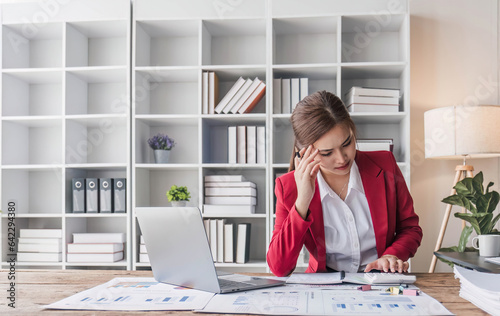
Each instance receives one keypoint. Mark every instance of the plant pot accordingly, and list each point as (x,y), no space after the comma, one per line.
(161,156)
(178,203)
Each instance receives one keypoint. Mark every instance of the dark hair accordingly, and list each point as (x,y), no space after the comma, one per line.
(315,115)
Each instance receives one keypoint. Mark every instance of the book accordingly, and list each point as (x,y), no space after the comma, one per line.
(224,178)
(220,239)
(38,256)
(40,233)
(213,238)
(304,88)
(241,144)
(213,91)
(235,200)
(230,191)
(231,144)
(356,108)
(237,96)
(375,144)
(224,210)
(381,92)
(236,86)
(244,184)
(277,96)
(204,93)
(26,247)
(357,278)
(261,144)
(244,97)
(362,99)
(47,241)
(251,144)
(206,223)
(253,99)
(294,92)
(94,257)
(99,238)
(229,243)
(95,248)
(285,96)
(243,243)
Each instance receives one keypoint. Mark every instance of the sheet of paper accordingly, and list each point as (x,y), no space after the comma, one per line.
(315,278)
(135,294)
(290,301)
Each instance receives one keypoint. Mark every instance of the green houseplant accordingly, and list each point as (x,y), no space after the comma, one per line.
(178,194)
(480,202)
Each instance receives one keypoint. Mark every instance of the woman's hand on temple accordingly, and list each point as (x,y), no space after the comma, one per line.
(388,263)
(306,170)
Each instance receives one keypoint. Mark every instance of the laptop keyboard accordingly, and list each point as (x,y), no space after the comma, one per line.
(228,284)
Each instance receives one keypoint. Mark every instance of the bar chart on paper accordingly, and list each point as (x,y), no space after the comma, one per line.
(135,294)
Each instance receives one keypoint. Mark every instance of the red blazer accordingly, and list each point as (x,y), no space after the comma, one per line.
(395,223)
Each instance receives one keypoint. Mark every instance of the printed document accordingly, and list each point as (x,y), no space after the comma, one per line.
(134,294)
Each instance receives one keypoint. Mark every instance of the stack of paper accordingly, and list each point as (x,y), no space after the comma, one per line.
(40,245)
(96,247)
(480,288)
(375,144)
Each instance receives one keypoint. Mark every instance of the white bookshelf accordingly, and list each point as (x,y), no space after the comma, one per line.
(174,42)
(83,90)
(64,113)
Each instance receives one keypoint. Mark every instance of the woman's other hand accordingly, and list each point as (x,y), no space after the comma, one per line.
(388,263)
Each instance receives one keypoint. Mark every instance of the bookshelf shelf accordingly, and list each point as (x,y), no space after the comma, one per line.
(65,113)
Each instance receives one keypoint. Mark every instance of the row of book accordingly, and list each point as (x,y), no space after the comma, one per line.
(231,194)
(99,195)
(246,144)
(287,93)
(243,96)
(229,242)
(45,245)
(360,99)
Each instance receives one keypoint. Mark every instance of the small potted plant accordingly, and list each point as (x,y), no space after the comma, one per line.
(161,145)
(480,202)
(178,196)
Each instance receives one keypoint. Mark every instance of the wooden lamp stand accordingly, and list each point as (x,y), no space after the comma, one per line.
(462,171)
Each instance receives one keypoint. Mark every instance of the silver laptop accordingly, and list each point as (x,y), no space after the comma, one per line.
(180,254)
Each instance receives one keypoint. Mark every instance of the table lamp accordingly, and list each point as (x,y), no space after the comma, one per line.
(461,132)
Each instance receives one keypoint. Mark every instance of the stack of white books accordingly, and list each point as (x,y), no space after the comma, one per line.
(96,247)
(229,242)
(143,253)
(39,245)
(360,99)
(229,194)
(375,144)
(246,144)
(287,93)
(243,96)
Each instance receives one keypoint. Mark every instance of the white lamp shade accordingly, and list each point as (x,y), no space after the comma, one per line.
(455,131)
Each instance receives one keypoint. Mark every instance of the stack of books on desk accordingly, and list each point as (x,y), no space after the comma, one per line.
(39,245)
(480,288)
(229,194)
(375,144)
(143,253)
(96,247)
(360,99)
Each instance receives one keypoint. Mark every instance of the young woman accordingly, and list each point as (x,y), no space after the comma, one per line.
(351,209)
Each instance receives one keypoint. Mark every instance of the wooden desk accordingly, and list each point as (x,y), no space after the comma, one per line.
(35,288)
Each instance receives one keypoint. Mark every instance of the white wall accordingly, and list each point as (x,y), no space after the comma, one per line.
(454,51)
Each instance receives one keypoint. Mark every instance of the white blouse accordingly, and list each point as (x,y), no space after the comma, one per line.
(349,234)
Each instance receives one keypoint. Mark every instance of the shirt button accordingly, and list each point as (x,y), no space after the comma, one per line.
(356,245)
